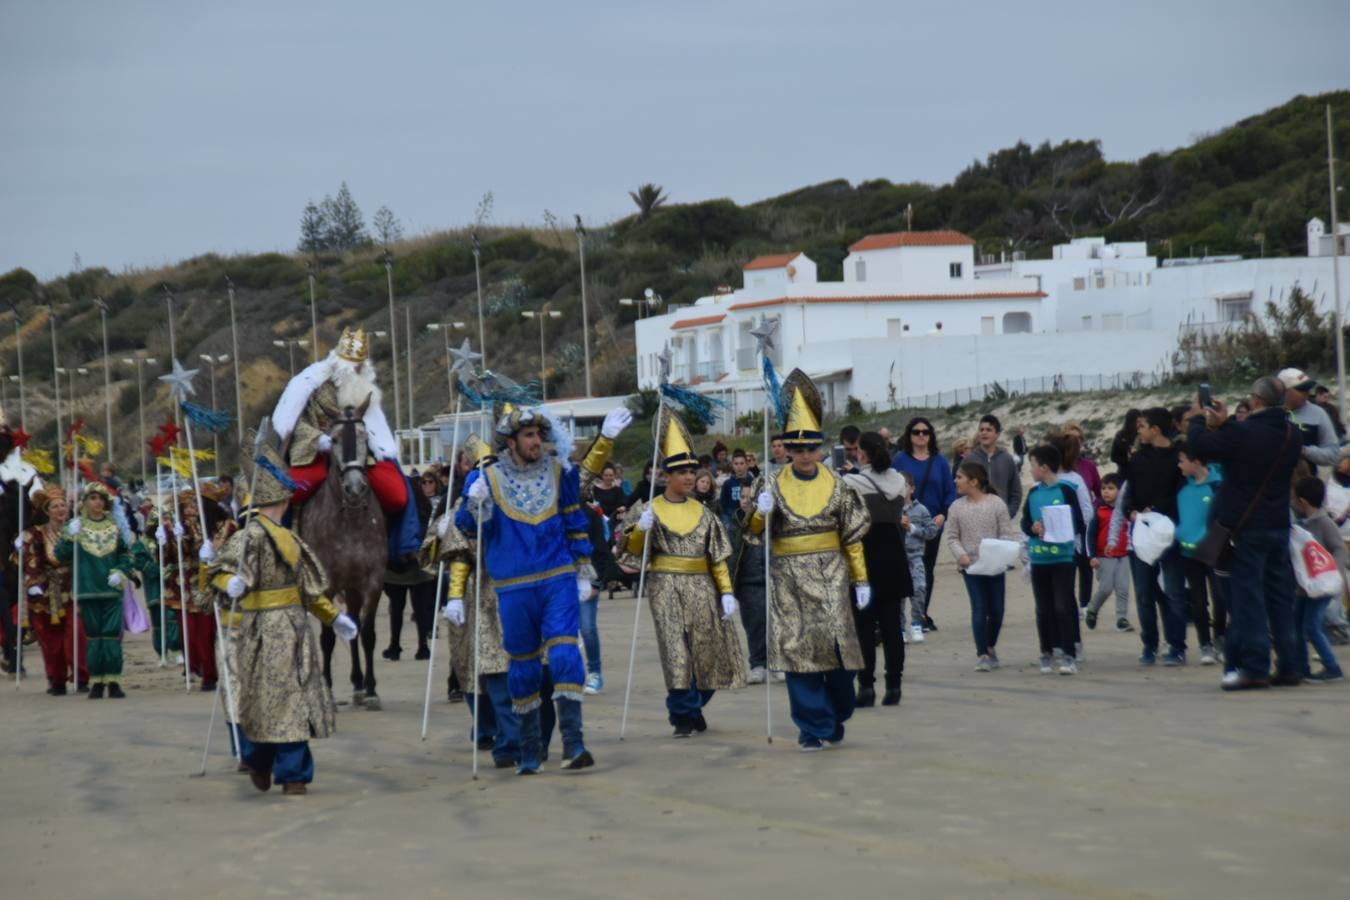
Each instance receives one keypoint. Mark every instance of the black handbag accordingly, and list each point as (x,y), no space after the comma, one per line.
(1216,548)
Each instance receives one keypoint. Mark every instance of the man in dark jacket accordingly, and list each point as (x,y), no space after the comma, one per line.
(1258,456)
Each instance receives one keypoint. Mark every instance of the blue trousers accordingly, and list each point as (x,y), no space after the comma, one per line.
(590,635)
(536,619)
(1310,617)
(1171,597)
(821,702)
(987,593)
(289,762)
(536,726)
(496,718)
(246,746)
(686,706)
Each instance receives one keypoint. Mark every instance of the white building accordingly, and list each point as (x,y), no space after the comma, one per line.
(1320,243)
(916,315)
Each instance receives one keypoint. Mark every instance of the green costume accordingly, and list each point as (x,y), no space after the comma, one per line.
(145,560)
(102,553)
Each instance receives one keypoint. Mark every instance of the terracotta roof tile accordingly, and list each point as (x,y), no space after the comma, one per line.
(702,320)
(912,239)
(891,298)
(777,261)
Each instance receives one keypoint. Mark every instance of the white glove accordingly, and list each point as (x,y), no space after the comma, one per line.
(115,580)
(764,503)
(35,591)
(178,529)
(235,587)
(325,443)
(161,536)
(616,420)
(646,520)
(454,611)
(478,491)
(862,594)
(74,527)
(443,526)
(584,588)
(345,627)
(18,542)
(728,605)
(207,553)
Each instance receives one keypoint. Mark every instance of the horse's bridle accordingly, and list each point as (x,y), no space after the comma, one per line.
(349,457)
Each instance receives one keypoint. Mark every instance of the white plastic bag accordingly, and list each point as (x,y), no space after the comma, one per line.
(1151,535)
(1315,568)
(995,557)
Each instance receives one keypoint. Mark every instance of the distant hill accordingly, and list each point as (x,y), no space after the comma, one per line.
(1246,189)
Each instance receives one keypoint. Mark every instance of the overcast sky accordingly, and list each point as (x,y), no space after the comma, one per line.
(138,133)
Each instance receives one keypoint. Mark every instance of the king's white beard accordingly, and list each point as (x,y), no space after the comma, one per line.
(355,384)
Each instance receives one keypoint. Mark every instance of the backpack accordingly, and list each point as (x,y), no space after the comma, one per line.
(884,510)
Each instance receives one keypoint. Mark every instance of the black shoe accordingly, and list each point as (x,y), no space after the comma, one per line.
(454,696)
(208,687)
(929,624)
(83,688)
(391,653)
(487,742)
(1286,680)
(683,730)
(115,691)
(57,689)
(422,653)
(700,724)
(503,763)
(891,697)
(96,692)
(867,696)
(582,760)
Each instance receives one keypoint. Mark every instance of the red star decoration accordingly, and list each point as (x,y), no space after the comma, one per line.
(159,446)
(75,428)
(170,431)
(21,438)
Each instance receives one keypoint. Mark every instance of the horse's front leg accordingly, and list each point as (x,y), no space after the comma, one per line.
(327,641)
(368,644)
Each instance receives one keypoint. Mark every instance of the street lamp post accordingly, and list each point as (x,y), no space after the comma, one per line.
(393,335)
(408,334)
(585,318)
(645,304)
(445,328)
(18,351)
(72,372)
(234,342)
(140,362)
(478,279)
(541,315)
(56,392)
(290,345)
(211,365)
(311,270)
(107,377)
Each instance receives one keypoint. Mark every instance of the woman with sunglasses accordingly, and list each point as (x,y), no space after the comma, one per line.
(934,488)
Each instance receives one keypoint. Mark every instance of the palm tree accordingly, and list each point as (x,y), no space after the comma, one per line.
(649,198)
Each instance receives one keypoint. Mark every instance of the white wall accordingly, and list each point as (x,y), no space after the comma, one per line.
(919,268)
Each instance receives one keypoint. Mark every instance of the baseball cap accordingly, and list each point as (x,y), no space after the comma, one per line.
(1296,380)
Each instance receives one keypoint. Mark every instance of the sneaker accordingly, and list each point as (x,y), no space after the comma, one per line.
(1174,658)
(1067,666)
(929,624)
(1090,619)
(178,659)
(780,677)
(835,739)
(581,760)
(1207,657)
(1325,677)
(983,665)
(595,683)
(1234,680)
(993,659)
(916,634)
(756,676)
(683,730)
(810,745)
(1124,625)
(1148,658)
(1078,653)
(1046,666)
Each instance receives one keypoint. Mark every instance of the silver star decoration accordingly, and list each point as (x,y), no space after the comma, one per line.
(763,335)
(180,382)
(464,358)
(664,359)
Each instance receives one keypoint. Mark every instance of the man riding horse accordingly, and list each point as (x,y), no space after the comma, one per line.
(314,401)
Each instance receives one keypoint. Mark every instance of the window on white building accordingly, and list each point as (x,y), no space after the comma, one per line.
(894,329)
(1079,284)
(1113,322)
(860,270)
(986,324)
(1017,323)
(955,269)
(1087,323)
(1235,309)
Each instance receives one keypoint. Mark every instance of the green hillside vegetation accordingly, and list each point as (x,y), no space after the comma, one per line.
(1247,189)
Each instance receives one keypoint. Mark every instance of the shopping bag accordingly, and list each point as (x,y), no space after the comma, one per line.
(1151,535)
(1315,568)
(995,557)
(135,620)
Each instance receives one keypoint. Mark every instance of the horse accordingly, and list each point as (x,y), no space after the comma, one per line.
(344,525)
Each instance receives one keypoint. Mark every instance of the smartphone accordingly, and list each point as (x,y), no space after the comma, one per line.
(1206,397)
(838,457)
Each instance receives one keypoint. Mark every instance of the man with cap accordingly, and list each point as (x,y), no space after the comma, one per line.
(272,579)
(537,549)
(103,543)
(816,526)
(688,586)
(1320,447)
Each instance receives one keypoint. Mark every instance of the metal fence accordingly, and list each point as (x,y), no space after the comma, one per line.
(1044,384)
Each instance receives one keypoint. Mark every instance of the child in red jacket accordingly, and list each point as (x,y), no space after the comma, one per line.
(1113,563)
